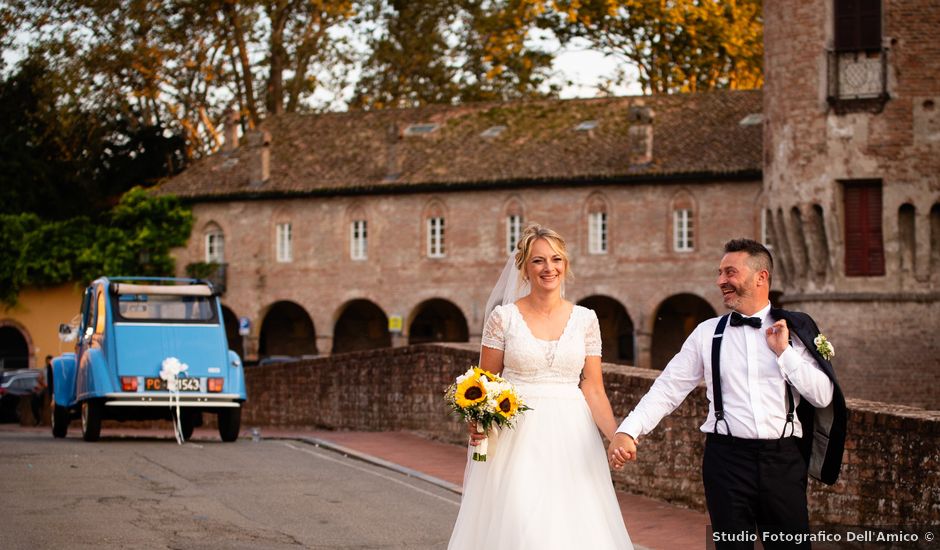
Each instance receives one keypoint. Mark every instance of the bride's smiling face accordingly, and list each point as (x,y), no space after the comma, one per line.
(545,268)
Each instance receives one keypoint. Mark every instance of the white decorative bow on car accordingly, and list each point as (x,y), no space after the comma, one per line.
(172,368)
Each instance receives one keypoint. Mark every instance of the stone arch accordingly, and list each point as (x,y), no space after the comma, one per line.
(784,256)
(676,318)
(935,238)
(231,332)
(906,238)
(437,320)
(798,243)
(360,325)
(287,329)
(817,241)
(617,331)
(16,346)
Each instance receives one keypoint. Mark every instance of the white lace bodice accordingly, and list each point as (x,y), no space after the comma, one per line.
(527,359)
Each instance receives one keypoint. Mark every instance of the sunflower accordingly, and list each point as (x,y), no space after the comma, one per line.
(480,373)
(507,404)
(469,392)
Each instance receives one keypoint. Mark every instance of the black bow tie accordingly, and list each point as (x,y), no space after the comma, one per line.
(737,320)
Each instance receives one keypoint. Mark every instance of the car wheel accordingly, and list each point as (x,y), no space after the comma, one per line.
(230,423)
(189,421)
(60,420)
(92,410)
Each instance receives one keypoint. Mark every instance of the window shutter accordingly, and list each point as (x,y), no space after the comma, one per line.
(869,25)
(857,25)
(846,25)
(864,249)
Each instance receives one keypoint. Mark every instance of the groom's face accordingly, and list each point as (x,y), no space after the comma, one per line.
(736,280)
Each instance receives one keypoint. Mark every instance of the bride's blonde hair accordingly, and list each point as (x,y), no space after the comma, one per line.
(534,232)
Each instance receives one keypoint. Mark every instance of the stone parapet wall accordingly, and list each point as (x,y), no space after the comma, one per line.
(891,474)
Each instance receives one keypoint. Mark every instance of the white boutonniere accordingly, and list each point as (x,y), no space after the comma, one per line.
(824,347)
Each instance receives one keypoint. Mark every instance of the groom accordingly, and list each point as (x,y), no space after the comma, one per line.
(775,410)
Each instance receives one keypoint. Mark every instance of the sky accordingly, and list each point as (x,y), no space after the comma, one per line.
(580,70)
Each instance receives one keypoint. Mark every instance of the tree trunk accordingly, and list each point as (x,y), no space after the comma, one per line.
(239,35)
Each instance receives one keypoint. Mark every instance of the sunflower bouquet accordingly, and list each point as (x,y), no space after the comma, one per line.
(487,399)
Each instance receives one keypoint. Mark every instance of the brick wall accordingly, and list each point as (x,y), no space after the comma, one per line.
(892,464)
(811,147)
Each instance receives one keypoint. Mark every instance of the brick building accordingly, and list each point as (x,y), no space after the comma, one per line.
(334,230)
(852,179)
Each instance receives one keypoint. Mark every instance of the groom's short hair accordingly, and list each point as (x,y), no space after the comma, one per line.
(758,256)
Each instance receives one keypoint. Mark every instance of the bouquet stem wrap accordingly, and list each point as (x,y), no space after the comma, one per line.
(479,453)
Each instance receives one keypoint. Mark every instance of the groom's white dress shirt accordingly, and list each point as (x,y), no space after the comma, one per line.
(752,382)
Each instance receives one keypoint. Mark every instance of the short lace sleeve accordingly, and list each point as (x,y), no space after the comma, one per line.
(592,336)
(494,335)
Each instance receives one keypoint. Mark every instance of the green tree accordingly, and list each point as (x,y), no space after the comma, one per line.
(184,64)
(440,51)
(677,46)
(134,239)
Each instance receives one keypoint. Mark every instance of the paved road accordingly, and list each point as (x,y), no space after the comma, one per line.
(151,493)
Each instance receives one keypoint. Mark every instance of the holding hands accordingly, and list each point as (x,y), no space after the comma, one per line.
(621,449)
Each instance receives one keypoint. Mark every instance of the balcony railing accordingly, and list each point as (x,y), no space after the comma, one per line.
(213,272)
(858,80)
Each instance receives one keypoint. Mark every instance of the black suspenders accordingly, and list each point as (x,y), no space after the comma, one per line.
(716,374)
(716,384)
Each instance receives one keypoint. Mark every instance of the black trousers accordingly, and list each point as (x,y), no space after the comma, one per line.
(755,489)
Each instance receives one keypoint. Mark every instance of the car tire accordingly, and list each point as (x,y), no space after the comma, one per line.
(92,411)
(230,423)
(60,420)
(189,421)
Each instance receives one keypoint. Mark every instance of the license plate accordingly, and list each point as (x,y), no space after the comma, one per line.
(159,384)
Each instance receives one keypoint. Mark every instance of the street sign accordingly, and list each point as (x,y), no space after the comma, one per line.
(394,323)
(244,326)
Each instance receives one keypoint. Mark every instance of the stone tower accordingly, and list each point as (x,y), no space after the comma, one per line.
(852,184)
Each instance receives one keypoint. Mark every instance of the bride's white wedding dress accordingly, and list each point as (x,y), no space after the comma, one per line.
(546,483)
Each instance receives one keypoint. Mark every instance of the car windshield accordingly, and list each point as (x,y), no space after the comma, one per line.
(157,308)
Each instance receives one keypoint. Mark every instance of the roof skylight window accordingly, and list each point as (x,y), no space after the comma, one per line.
(421,129)
(752,119)
(586,126)
(493,131)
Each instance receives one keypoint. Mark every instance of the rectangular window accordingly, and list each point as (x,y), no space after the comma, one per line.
(597,233)
(857,25)
(513,232)
(215,248)
(358,240)
(864,245)
(682,230)
(766,235)
(285,250)
(435,237)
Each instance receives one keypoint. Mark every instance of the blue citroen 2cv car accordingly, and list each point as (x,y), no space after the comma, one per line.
(147,349)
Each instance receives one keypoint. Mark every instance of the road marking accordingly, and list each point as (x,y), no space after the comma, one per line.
(368,471)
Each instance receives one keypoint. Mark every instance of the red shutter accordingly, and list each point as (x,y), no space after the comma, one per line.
(846,19)
(857,25)
(869,19)
(864,245)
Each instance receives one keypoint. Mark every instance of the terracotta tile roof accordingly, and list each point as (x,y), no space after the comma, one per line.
(369,151)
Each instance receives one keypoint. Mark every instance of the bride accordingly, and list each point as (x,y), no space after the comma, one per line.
(546,483)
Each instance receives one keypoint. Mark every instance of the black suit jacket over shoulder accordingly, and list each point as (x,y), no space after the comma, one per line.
(823,440)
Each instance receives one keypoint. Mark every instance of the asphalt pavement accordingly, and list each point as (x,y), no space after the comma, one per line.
(266,498)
